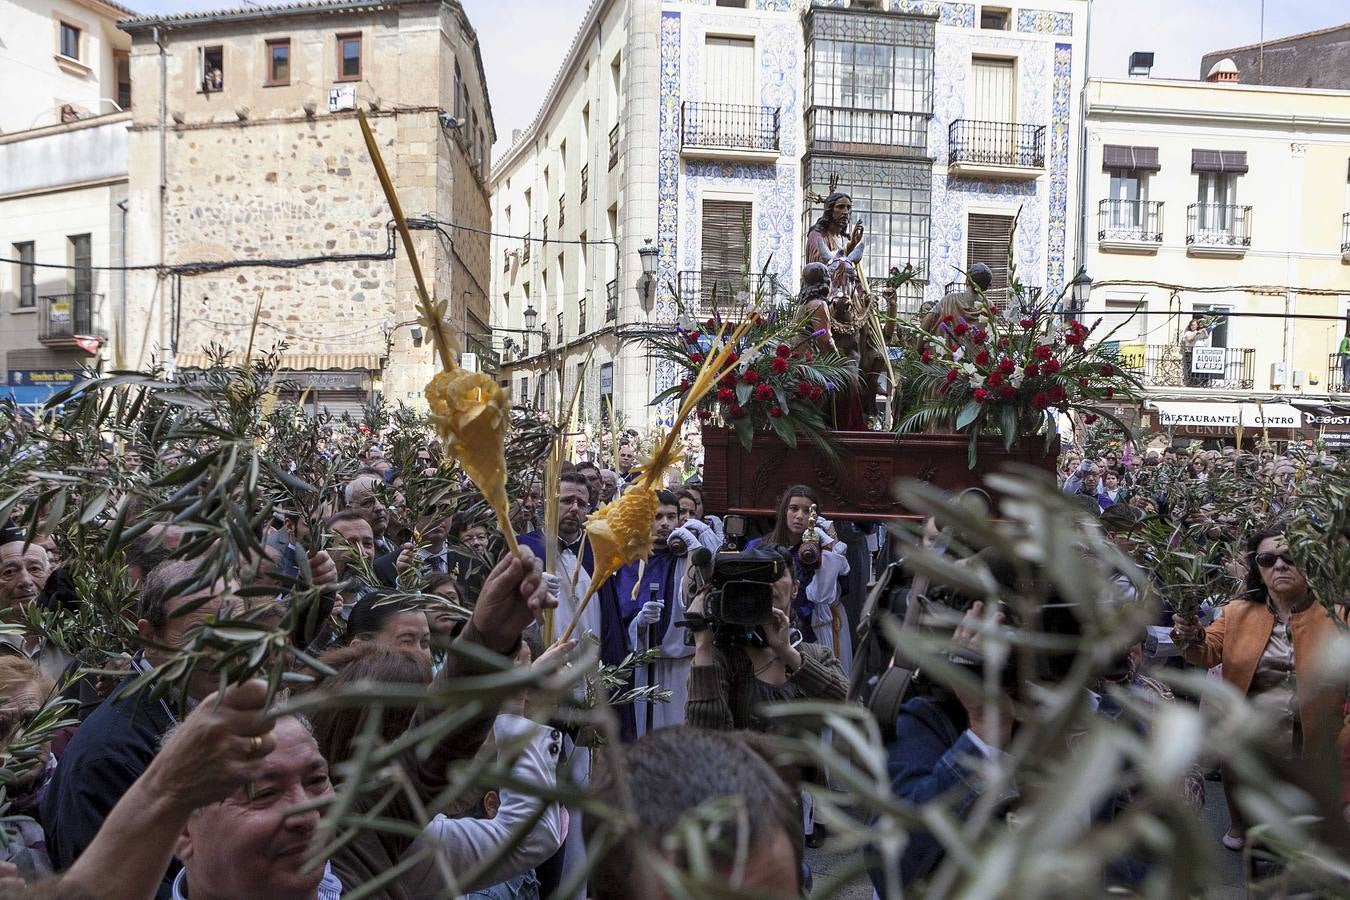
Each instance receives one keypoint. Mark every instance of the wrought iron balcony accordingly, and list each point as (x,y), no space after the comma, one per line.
(1130,225)
(728,129)
(614,146)
(1218,229)
(581,316)
(832,129)
(704,292)
(1338,373)
(1171,365)
(585,182)
(612,301)
(64,317)
(995,149)
(1345,238)
(525,249)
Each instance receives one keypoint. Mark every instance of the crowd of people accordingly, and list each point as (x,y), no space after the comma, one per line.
(139,764)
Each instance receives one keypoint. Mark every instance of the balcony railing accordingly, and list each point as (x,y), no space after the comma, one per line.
(1345,237)
(525,251)
(975,144)
(1171,365)
(728,126)
(704,292)
(562,211)
(585,182)
(614,146)
(64,317)
(612,301)
(849,130)
(1129,221)
(1338,373)
(1218,225)
(581,316)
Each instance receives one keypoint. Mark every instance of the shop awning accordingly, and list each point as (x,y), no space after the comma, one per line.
(296,362)
(1180,414)
(1328,416)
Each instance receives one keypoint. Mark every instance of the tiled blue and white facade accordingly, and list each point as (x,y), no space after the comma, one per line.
(774,188)
(1050,74)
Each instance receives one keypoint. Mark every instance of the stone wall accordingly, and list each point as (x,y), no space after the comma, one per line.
(283,191)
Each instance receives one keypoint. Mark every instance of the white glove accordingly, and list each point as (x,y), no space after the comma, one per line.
(650,613)
(552,583)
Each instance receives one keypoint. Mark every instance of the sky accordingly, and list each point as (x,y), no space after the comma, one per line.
(523,42)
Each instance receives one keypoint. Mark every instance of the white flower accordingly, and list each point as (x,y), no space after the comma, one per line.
(976,381)
(959,354)
(969,368)
(1016,379)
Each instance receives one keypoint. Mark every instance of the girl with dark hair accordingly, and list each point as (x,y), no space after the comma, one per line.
(1269,641)
(390,619)
(818,604)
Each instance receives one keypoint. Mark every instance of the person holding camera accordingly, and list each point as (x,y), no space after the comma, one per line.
(737,671)
(651,598)
(820,560)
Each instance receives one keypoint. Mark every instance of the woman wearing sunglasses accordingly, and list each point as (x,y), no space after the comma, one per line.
(1268,640)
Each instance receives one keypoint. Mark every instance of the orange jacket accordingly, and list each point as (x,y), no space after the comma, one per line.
(1237,640)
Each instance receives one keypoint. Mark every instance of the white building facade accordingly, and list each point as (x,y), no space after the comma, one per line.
(713,131)
(63,183)
(1227,201)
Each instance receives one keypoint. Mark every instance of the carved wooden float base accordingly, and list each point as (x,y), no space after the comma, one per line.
(858,484)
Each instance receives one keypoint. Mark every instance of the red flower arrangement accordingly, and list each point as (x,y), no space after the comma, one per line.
(1043,365)
(776,383)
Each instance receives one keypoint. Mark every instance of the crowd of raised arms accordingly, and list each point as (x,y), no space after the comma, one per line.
(253,654)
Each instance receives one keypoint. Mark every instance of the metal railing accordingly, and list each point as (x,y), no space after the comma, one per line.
(562,211)
(612,301)
(703,292)
(63,317)
(1345,233)
(585,182)
(1338,373)
(1218,225)
(1171,365)
(614,146)
(845,129)
(1130,221)
(728,126)
(525,252)
(996,144)
(581,316)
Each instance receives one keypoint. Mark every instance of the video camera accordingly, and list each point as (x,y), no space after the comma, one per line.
(739,587)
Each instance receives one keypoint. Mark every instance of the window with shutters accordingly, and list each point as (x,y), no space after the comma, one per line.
(81,259)
(25,254)
(987,238)
(725,260)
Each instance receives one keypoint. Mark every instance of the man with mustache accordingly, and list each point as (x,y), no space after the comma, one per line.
(572,576)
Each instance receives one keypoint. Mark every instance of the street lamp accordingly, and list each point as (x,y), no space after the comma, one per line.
(648,253)
(1080,289)
(531,317)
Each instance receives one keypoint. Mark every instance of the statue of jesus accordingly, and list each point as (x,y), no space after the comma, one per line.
(827,237)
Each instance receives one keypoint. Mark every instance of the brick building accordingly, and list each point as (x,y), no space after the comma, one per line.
(251,183)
